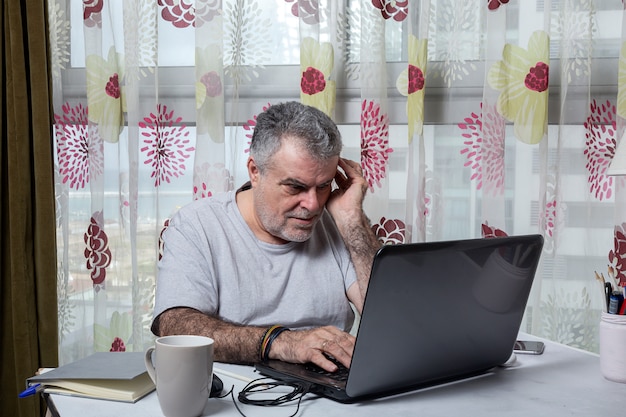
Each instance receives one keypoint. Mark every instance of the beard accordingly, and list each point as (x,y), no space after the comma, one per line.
(284,226)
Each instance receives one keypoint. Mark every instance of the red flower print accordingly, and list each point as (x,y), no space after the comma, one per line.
(396,9)
(495,4)
(489,231)
(166,145)
(166,224)
(374,143)
(212,83)
(600,132)
(113,86)
(118,345)
(617,256)
(249,126)
(307,11)
(92,12)
(390,231)
(312,81)
(416,79)
(179,12)
(97,252)
(79,153)
(538,77)
(484,149)
(208,179)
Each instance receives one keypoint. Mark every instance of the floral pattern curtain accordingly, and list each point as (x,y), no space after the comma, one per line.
(470,118)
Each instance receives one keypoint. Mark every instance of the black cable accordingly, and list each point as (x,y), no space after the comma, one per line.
(265,385)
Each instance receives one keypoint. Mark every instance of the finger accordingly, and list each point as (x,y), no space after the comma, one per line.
(339,344)
(319,359)
(337,351)
(350,167)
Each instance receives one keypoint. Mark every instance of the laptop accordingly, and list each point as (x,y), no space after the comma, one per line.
(434,312)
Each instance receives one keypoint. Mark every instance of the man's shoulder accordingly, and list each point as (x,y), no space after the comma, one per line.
(210,206)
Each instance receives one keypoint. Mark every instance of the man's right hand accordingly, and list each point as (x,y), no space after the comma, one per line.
(302,346)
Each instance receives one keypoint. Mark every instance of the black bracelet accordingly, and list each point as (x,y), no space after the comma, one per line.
(268,338)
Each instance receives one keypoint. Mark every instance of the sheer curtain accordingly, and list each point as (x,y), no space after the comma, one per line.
(470,118)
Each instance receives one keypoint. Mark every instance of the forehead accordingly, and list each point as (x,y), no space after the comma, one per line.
(295,163)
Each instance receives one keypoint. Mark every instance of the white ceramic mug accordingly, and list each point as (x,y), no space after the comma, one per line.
(182,370)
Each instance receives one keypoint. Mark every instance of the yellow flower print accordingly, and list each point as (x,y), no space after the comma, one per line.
(316,64)
(210,92)
(621,83)
(410,83)
(105,94)
(522,78)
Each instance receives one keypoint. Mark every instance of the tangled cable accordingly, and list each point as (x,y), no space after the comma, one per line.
(264,386)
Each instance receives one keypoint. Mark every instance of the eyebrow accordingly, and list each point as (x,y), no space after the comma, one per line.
(298,183)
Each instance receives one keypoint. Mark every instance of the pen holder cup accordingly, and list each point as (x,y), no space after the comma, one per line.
(613,347)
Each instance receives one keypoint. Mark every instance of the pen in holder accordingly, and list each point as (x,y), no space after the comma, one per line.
(613,347)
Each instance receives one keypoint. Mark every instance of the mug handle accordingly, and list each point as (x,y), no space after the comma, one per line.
(149,364)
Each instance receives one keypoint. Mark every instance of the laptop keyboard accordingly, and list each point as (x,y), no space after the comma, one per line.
(341,374)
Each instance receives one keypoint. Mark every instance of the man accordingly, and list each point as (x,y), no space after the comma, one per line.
(292,248)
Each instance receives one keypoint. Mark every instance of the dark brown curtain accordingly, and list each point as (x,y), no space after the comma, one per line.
(28,301)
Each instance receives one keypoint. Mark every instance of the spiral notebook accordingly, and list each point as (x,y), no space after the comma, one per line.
(434,312)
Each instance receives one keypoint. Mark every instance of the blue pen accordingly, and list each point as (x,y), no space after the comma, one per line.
(32,390)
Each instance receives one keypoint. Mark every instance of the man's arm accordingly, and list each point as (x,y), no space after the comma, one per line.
(241,344)
(233,343)
(346,207)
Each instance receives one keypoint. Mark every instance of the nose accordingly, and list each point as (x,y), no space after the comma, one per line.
(312,200)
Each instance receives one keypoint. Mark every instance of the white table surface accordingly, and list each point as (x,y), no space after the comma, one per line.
(561,382)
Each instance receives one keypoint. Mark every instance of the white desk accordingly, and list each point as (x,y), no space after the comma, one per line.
(561,382)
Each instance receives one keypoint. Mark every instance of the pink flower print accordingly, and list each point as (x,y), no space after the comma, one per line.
(484,149)
(489,232)
(416,79)
(249,126)
(617,256)
(92,13)
(97,252)
(166,145)
(427,204)
(396,9)
(537,78)
(374,143)
(495,4)
(390,231)
(550,217)
(118,345)
(307,11)
(212,83)
(211,178)
(79,153)
(600,143)
(492,158)
(312,81)
(206,11)
(179,12)
(473,147)
(166,224)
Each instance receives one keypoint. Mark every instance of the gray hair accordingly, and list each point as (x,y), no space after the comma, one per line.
(309,127)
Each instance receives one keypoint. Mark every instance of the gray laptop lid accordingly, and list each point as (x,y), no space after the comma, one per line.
(437,311)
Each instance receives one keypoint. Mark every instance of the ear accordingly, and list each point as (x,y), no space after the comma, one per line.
(253,171)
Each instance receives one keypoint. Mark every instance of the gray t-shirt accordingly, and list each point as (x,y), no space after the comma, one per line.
(213,262)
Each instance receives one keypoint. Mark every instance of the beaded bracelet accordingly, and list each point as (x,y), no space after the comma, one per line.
(268,338)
